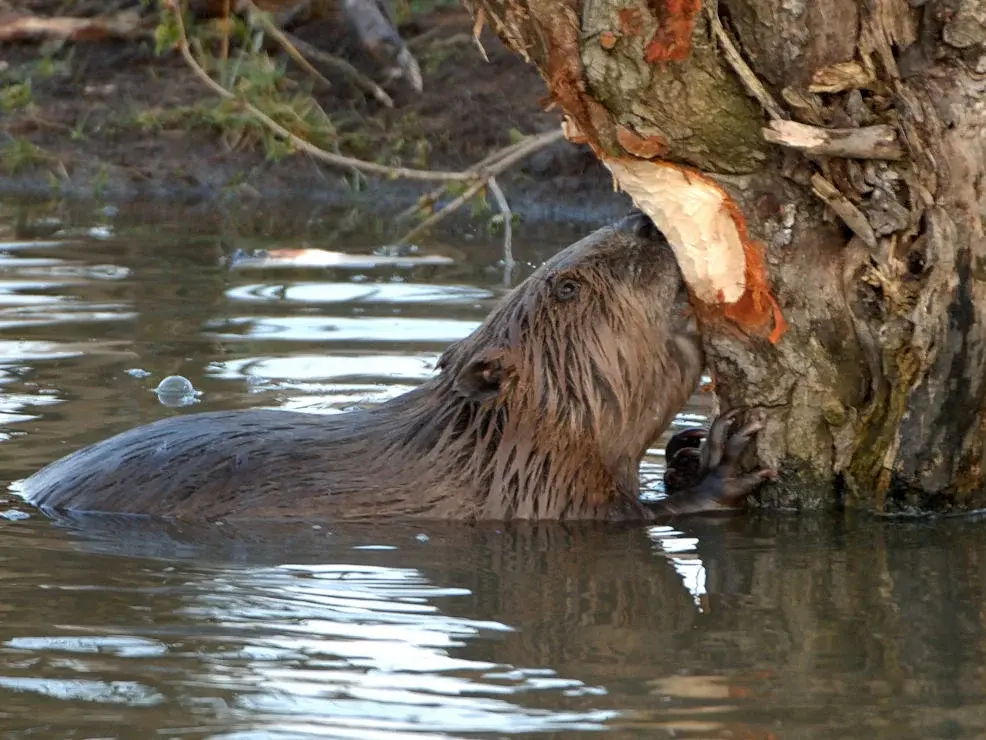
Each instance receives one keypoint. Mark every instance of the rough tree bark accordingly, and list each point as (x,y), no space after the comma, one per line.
(820,169)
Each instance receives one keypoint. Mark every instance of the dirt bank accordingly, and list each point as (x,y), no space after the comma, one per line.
(114,121)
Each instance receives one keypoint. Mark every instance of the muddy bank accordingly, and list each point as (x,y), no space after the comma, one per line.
(113,121)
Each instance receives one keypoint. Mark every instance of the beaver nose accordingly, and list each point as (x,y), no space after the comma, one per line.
(640,224)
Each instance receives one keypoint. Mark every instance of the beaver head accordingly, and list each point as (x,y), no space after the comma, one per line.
(574,375)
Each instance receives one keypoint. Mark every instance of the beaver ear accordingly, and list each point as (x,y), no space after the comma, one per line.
(480,379)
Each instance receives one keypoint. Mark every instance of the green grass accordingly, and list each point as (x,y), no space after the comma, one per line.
(18,155)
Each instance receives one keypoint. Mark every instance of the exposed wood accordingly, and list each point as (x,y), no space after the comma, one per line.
(868,142)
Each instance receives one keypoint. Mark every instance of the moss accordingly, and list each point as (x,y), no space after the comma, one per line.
(869,479)
(15,96)
(800,487)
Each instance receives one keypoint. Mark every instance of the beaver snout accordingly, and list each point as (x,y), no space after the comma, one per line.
(641,225)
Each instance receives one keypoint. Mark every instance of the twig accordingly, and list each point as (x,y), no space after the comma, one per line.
(477,30)
(341,65)
(480,175)
(739,65)
(477,168)
(868,142)
(505,212)
(227,22)
(297,48)
(281,38)
(517,152)
(434,35)
(444,212)
(336,160)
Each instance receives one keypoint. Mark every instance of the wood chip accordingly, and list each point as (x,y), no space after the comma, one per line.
(868,142)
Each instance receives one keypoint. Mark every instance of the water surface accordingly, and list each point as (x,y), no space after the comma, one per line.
(749,627)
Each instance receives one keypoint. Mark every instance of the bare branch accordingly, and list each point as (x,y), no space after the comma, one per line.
(477,29)
(281,38)
(429,198)
(341,65)
(440,215)
(479,175)
(517,152)
(336,160)
(507,214)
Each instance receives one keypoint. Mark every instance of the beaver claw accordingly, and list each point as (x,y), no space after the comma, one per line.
(703,470)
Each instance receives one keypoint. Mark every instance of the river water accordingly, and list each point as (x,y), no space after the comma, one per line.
(749,627)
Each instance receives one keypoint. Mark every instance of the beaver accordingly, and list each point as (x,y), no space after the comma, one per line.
(544,412)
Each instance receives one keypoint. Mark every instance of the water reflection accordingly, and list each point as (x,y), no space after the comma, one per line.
(743,627)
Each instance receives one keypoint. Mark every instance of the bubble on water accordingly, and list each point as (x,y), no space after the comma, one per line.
(136,372)
(422,537)
(176,390)
(176,384)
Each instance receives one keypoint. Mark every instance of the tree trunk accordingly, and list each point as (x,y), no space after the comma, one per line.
(820,169)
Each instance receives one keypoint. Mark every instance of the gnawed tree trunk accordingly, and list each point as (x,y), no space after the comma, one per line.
(820,169)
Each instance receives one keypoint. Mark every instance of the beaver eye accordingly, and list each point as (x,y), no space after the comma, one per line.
(565,290)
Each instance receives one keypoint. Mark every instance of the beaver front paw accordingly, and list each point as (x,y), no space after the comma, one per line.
(703,472)
(683,460)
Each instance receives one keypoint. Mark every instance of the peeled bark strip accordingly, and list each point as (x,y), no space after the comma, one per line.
(826,155)
(869,142)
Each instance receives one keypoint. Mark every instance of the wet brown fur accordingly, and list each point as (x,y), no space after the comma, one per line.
(544,412)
